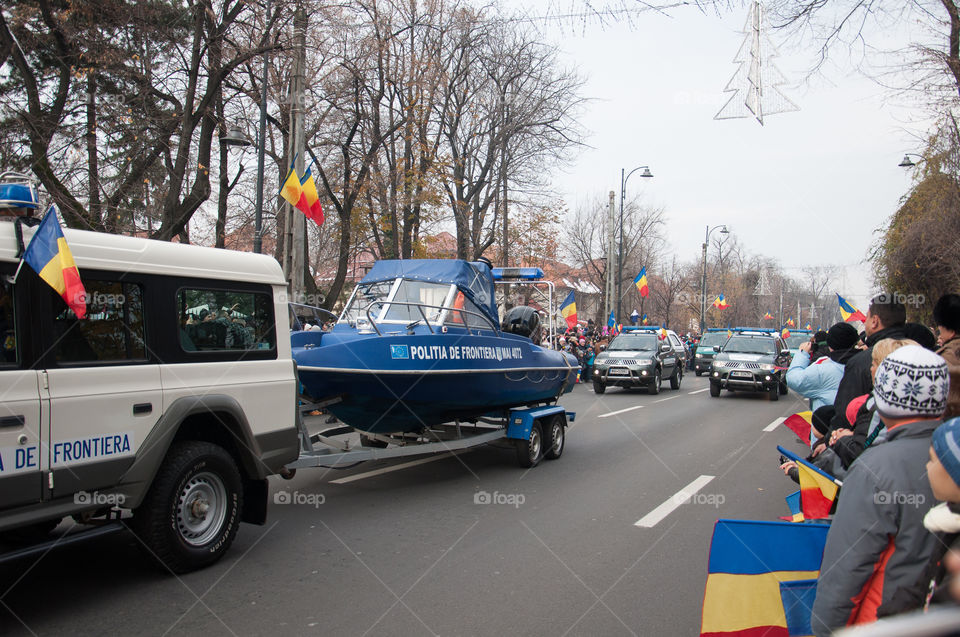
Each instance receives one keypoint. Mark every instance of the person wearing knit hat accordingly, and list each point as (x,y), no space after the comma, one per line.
(817,379)
(877,541)
(946,316)
(943,469)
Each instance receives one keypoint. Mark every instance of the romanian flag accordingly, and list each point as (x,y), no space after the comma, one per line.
(801,424)
(720,304)
(292,191)
(663,334)
(808,327)
(313,199)
(729,332)
(748,562)
(789,322)
(49,255)
(785,333)
(797,598)
(818,489)
(641,282)
(849,312)
(645,320)
(796,511)
(569,310)
(768,316)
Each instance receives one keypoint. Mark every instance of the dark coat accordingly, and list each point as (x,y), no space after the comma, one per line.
(856,379)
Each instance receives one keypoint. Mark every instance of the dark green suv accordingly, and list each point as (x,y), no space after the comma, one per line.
(751,360)
(707,349)
(640,357)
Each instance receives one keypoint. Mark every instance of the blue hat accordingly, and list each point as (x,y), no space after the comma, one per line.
(946,444)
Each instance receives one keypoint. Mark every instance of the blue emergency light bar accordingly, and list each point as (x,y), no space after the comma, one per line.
(641,328)
(517,274)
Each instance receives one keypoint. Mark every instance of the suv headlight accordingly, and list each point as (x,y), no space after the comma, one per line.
(699,355)
(717,363)
(767,367)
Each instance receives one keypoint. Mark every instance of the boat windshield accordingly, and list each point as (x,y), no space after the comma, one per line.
(635,342)
(366,294)
(416,292)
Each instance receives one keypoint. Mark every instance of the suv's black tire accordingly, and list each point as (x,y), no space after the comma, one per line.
(598,387)
(193,474)
(554,438)
(714,389)
(676,378)
(530,452)
(774,392)
(697,372)
(655,382)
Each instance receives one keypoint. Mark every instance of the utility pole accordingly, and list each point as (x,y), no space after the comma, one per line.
(608,305)
(296,223)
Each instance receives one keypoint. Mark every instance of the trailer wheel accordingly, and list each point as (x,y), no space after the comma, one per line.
(191,513)
(555,438)
(530,452)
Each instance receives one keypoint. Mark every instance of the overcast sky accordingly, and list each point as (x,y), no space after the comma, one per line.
(807,187)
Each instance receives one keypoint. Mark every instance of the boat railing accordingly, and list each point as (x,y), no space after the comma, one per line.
(421,308)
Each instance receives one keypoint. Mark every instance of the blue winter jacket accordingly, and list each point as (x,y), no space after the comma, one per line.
(818,381)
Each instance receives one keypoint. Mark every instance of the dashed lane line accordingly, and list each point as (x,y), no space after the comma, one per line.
(776,423)
(690,393)
(651,519)
(614,413)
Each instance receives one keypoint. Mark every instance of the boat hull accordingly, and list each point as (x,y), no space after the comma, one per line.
(400,383)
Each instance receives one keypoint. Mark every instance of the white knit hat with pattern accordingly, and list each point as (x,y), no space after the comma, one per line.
(912,382)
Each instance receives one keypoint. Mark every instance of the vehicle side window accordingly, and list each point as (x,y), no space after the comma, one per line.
(225,320)
(113,330)
(675,340)
(8,334)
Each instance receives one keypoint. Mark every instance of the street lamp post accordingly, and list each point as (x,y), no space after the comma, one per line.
(261,149)
(703,278)
(623,192)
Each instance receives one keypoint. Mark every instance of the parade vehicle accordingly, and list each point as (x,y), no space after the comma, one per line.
(165,409)
(706,349)
(414,335)
(640,357)
(174,398)
(752,359)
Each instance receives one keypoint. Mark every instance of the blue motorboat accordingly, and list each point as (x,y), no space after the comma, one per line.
(420,343)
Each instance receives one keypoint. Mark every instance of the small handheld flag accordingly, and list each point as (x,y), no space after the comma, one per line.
(849,312)
(768,316)
(720,304)
(818,489)
(645,320)
(663,334)
(785,333)
(611,320)
(641,282)
(49,255)
(796,512)
(568,309)
(801,424)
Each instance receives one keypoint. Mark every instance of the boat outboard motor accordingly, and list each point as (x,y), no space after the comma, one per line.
(523,321)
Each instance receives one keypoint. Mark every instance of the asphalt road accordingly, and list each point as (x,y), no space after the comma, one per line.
(466,545)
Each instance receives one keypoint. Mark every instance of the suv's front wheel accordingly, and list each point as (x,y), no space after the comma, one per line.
(599,387)
(191,512)
(655,382)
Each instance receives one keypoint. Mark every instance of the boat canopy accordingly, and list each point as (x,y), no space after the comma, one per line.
(474,279)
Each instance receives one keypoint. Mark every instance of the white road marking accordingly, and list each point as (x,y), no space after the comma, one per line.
(690,393)
(614,413)
(776,423)
(396,467)
(651,519)
(667,398)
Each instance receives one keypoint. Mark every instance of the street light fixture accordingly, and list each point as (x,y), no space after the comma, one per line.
(703,279)
(235,137)
(623,193)
(907,162)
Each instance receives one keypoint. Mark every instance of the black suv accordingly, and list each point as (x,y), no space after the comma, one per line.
(640,357)
(751,360)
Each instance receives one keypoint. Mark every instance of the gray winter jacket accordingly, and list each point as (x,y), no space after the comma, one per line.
(877,541)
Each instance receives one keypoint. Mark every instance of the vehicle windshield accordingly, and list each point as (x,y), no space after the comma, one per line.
(796,338)
(750,345)
(635,342)
(712,339)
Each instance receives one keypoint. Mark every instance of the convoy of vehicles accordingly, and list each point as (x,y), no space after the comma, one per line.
(640,357)
(751,360)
